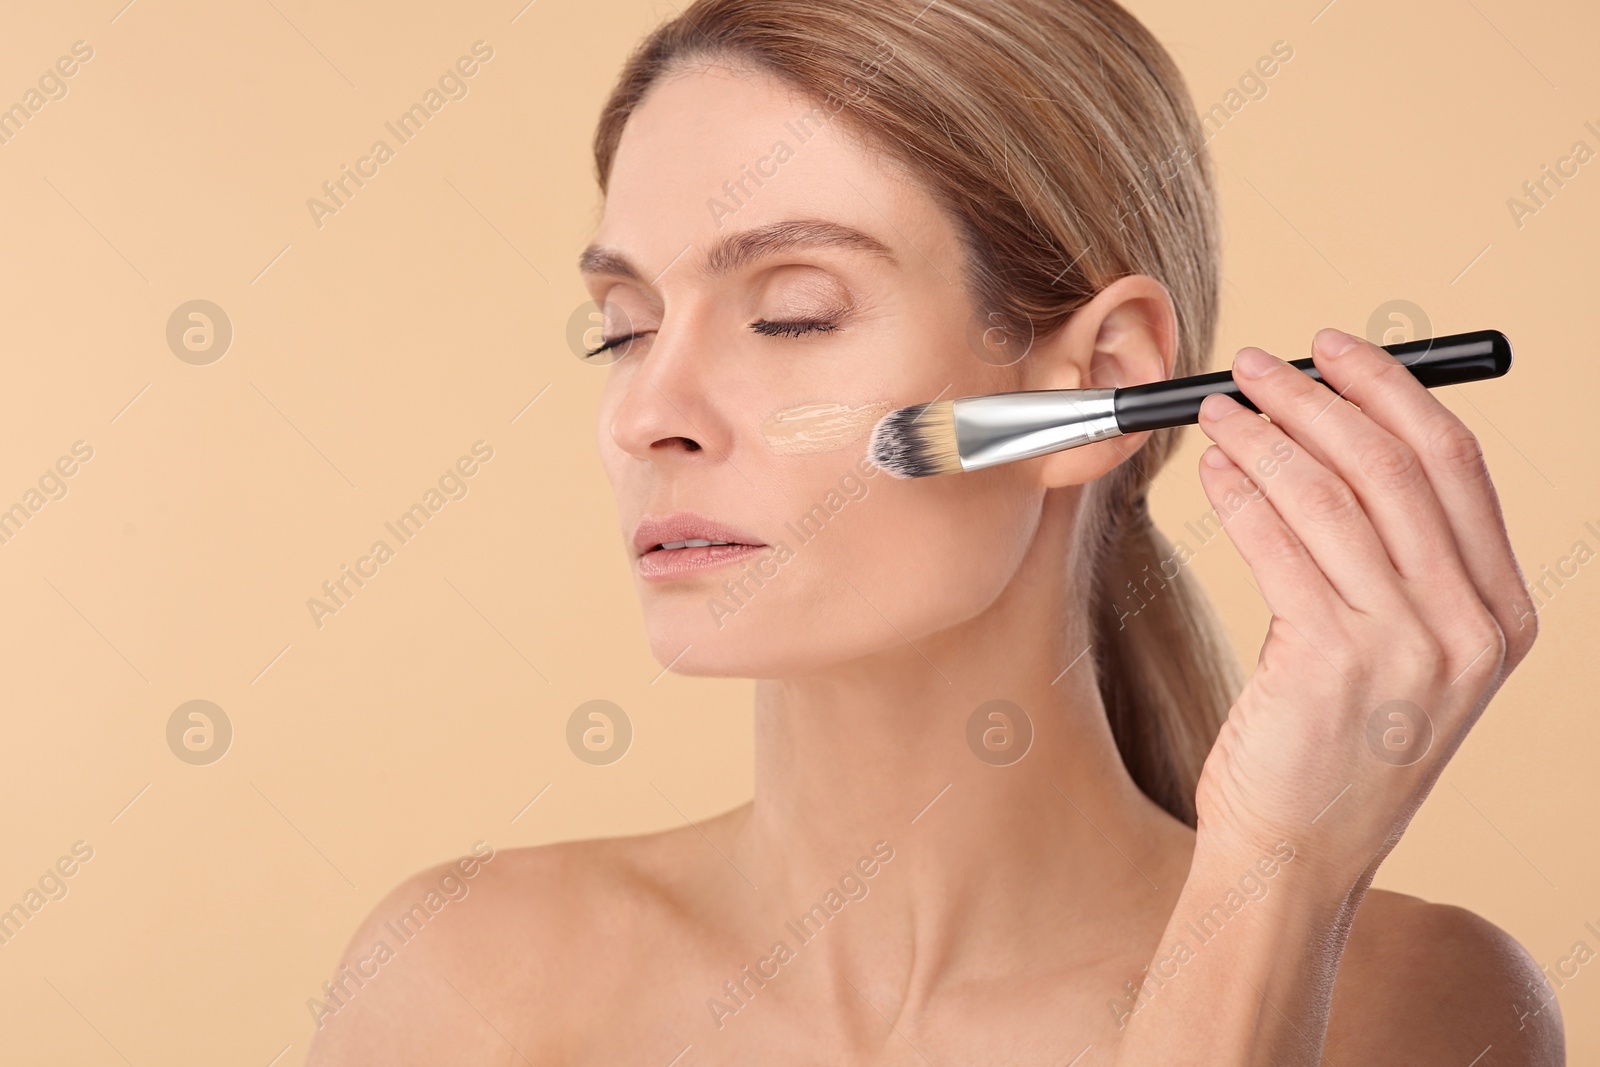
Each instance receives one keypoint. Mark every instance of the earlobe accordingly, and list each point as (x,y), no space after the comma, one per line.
(1077,466)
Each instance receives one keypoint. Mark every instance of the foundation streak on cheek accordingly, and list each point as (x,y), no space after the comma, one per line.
(820,427)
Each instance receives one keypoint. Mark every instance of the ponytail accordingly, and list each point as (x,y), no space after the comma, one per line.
(1166,671)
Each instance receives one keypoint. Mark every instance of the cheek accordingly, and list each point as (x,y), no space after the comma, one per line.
(820,427)
(938,550)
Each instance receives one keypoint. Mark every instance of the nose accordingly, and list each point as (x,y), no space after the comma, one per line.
(668,409)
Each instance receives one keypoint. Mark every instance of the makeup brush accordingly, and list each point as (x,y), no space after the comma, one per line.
(973,432)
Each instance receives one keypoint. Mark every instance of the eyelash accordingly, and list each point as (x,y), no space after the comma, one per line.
(765,327)
(609,344)
(792,329)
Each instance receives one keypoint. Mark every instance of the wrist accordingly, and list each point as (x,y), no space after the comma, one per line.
(1280,878)
(1252,926)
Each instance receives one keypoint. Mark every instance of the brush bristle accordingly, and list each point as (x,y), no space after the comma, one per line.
(917,441)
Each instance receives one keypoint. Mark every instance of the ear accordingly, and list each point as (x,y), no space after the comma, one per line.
(1126,335)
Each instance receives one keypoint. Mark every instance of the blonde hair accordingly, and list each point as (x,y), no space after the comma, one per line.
(1060,137)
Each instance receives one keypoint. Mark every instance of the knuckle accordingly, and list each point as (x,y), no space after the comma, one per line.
(1390,466)
(1353,661)
(1329,501)
(1348,649)
(1278,544)
(1456,449)
(1483,646)
(1479,648)
(1523,608)
(1520,640)
(1422,654)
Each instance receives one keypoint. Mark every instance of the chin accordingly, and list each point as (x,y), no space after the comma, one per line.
(759,640)
(814,624)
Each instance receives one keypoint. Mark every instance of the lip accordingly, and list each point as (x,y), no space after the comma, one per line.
(660,563)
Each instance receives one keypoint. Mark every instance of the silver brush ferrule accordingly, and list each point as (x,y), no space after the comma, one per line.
(991,430)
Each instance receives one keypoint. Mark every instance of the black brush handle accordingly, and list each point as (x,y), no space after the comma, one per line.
(1436,361)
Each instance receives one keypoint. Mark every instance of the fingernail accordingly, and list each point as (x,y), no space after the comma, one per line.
(1253,362)
(1219,406)
(1334,342)
(1215,457)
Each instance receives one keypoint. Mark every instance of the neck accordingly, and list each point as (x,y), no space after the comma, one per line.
(988,849)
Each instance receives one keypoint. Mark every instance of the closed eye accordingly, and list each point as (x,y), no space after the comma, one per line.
(768,328)
(765,327)
(609,344)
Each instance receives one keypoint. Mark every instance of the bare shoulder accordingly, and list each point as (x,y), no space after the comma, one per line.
(474,960)
(1423,984)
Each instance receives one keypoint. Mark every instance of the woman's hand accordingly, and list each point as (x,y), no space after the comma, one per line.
(1398,609)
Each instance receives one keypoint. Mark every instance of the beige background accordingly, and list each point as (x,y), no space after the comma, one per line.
(369,353)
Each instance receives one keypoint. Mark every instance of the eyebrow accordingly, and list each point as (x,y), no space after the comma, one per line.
(740,249)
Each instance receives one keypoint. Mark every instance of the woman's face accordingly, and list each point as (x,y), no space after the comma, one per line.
(785,287)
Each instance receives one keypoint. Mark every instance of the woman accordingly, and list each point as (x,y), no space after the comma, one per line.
(1011,804)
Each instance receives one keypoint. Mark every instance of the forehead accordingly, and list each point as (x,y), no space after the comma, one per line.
(713,150)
